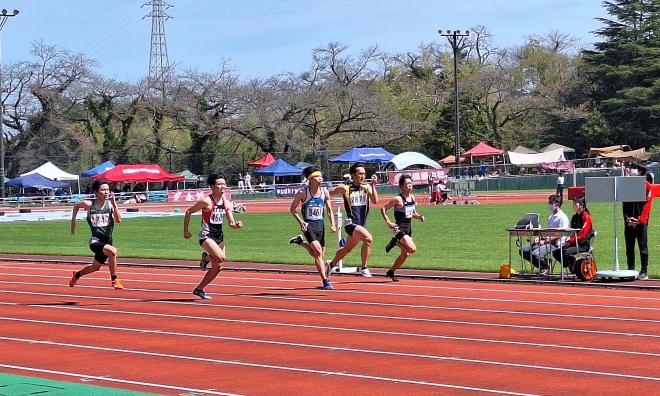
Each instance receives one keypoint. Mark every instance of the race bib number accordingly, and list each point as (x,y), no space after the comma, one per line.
(217,216)
(314,212)
(100,219)
(358,199)
(410,211)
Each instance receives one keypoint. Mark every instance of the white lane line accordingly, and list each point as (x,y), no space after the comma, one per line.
(122,381)
(343,314)
(369,303)
(342,329)
(321,347)
(375,284)
(388,294)
(266,366)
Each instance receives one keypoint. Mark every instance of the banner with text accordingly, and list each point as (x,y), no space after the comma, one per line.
(191,195)
(419,176)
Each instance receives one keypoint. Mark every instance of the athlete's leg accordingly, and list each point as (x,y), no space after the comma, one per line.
(216,257)
(351,242)
(111,252)
(407,246)
(316,250)
(367,240)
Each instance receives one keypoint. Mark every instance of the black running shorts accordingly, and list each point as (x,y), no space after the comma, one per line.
(96,245)
(315,232)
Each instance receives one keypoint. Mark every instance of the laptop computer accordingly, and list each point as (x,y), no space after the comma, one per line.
(528,221)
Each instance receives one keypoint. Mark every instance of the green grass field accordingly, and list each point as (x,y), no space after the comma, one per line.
(470,237)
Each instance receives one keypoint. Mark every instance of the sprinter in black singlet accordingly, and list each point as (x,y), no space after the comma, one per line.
(102,214)
(404,206)
(357,196)
(215,207)
(314,201)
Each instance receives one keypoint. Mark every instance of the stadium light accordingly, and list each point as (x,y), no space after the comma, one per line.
(3,19)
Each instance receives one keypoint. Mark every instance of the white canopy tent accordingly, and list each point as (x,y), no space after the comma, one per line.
(534,160)
(52,172)
(410,158)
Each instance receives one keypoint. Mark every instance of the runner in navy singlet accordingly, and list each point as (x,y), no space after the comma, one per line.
(102,214)
(357,196)
(404,206)
(215,207)
(314,201)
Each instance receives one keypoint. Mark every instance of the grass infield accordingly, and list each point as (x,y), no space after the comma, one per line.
(457,237)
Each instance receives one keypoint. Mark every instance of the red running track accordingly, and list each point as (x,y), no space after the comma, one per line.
(277,333)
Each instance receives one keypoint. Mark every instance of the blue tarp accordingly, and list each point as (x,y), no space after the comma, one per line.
(303,165)
(7,179)
(364,154)
(279,168)
(35,180)
(100,168)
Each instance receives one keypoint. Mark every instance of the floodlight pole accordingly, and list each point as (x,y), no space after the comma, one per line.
(4,15)
(455,38)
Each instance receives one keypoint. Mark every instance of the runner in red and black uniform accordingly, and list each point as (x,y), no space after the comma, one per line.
(357,196)
(215,207)
(102,214)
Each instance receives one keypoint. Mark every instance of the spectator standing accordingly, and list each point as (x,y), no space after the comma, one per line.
(248,182)
(560,186)
(636,215)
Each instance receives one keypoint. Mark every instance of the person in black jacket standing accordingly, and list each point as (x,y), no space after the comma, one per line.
(636,216)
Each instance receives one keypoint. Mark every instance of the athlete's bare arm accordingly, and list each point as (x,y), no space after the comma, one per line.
(293,209)
(229,212)
(74,213)
(328,210)
(203,203)
(373,196)
(115,209)
(392,203)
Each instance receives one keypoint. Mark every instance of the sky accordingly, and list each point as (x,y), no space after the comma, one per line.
(263,38)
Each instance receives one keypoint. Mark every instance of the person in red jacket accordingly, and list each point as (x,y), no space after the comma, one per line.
(636,216)
(581,220)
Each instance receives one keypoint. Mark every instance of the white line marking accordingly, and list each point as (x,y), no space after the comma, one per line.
(122,381)
(376,284)
(367,303)
(403,318)
(343,329)
(257,365)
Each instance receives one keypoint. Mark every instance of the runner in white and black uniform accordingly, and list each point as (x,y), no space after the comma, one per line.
(314,201)
(404,206)
(357,196)
(102,214)
(215,207)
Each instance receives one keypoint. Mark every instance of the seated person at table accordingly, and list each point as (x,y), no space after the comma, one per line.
(537,251)
(581,220)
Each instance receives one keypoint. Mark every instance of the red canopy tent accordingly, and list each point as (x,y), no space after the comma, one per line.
(263,161)
(137,173)
(482,150)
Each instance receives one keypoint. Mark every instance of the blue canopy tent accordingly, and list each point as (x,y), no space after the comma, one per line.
(279,168)
(368,155)
(98,169)
(35,180)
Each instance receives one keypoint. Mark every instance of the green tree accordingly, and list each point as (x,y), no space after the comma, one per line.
(624,71)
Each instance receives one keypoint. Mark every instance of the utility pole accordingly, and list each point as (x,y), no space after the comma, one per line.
(456,39)
(4,15)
